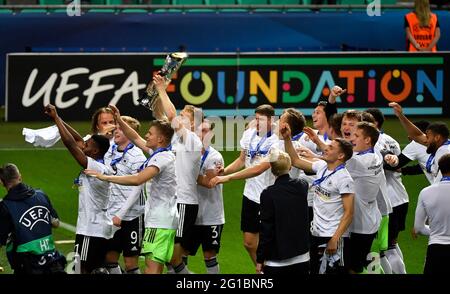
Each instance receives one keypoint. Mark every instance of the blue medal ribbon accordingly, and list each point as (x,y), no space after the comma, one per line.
(447,178)
(370,150)
(296,137)
(117,160)
(257,151)
(161,149)
(325,136)
(323,178)
(204,157)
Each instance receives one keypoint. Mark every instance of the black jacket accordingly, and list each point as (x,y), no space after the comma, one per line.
(284,231)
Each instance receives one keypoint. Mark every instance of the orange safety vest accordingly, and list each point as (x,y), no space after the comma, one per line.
(422,35)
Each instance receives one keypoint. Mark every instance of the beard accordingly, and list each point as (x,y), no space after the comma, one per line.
(432,148)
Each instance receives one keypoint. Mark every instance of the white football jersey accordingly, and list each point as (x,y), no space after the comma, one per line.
(210,201)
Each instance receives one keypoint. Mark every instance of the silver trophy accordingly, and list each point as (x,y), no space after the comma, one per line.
(171,65)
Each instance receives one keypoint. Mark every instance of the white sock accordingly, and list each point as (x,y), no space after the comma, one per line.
(385,265)
(212,266)
(399,251)
(398,267)
(114,268)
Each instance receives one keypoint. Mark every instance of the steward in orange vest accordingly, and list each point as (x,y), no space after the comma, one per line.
(422,35)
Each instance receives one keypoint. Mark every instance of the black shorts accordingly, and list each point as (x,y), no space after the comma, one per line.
(185,232)
(128,240)
(360,245)
(207,236)
(250,218)
(92,251)
(316,253)
(437,259)
(397,223)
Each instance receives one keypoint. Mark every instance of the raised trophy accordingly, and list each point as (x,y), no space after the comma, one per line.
(171,65)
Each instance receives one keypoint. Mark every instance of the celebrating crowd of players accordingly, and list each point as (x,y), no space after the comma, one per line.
(322,200)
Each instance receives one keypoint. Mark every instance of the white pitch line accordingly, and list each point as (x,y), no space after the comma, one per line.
(67,227)
(59,242)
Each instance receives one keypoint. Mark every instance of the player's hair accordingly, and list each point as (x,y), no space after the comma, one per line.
(132,122)
(369,130)
(368,117)
(295,119)
(9,173)
(444,164)
(102,143)
(94,121)
(439,128)
(266,110)
(336,122)
(280,162)
(346,148)
(422,125)
(164,127)
(377,115)
(196,113)
(353,114)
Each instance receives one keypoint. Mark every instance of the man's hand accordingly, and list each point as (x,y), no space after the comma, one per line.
(115,111)
(305,152)
(398,111)
(94,173)
(50,110)
(218,180)
(312,135)
(391,159)
(117,221)
(331,246)
(259,268)
(335,92)
(285,131)
(160,82)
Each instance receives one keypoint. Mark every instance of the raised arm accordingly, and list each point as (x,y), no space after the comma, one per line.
(246,173)
(66,137)
(129,132)
(298,162)
(413,132)
(165,109)
(129,180)
(313,137)
(236,165)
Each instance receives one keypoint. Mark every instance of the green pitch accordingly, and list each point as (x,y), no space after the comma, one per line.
(54,170)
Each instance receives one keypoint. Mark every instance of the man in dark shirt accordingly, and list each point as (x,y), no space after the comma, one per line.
(26,221)
(284,232)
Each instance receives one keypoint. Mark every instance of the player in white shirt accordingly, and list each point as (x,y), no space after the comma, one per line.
(433,206)
(93,228)
(125,158)
(161,216)
(187,148)
(255,147)
(398,196)
(366,169)
(436,139)
(211,216)
(332,203)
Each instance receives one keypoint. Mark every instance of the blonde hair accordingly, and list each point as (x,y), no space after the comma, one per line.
(196,113)
(280,162)
(423,12)
(132,122)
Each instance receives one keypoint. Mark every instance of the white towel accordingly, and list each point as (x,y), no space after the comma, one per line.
(46,137)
